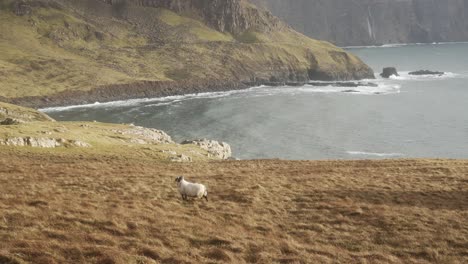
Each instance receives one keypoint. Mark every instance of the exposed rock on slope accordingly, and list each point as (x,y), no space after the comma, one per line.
(221,150)
(37,130)
(18,114)
(78,51)
(42,142)
(371,22)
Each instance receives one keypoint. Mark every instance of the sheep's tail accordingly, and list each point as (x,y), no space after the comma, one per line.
(205,194)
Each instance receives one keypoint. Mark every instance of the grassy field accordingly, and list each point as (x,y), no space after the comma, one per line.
(58,208)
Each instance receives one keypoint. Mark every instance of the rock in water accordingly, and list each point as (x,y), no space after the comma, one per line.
(216,149)
(427,72)
(389,71)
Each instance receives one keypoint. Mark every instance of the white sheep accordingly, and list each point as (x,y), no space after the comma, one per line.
(187,189)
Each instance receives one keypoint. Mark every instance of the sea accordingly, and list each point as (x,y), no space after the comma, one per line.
(402,117)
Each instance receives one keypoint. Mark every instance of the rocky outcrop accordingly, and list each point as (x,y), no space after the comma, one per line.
(215,148)
(233,16)
(181,158)
(42,142)
(21,8)
(143,135)
(389,71)
(13,114)
(375,22)
(426,72)
(11,121)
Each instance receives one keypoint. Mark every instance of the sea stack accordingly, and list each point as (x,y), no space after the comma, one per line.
(389,71)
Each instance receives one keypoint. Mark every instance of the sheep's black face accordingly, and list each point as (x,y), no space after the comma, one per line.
(178,179)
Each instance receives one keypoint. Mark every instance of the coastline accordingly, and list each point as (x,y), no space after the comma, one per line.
(138,90)
(151,89)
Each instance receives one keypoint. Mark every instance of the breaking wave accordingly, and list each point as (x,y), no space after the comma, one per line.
(397,45)
(375,154)
(378,89)
(405,76)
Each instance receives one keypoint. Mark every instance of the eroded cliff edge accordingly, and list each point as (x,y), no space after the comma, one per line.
(58,52)
(375,22)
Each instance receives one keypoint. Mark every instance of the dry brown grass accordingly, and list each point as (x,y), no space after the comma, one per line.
(64,209)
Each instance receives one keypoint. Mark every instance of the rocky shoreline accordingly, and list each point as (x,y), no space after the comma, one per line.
(155,89)
(107,93)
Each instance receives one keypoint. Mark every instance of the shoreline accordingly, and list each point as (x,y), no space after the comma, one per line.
(153,90)
(117,92)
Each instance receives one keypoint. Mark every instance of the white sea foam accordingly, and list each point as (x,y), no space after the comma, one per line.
(381,88)
(263,90)
(147,101)
(397,45)
(363,153)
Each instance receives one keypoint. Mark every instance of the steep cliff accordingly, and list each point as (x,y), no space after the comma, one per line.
(371,22)
(74,51)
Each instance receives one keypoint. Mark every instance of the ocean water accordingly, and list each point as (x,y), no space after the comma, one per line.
(404,117)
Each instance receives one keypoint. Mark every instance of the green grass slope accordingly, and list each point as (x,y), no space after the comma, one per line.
(88,138)
(79,45)
(21,113)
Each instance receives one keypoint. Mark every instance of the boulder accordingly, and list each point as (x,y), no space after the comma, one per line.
(426,72)
(389,71)
(181,158)
(142,135)
(42,142)
(11,121)
(215,148)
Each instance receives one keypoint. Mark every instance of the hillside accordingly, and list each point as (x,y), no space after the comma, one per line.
(105,209)
(375,22)
(24,129)
(56,52)
(89,192)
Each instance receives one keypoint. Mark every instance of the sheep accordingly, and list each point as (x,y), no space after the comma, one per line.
(187,189)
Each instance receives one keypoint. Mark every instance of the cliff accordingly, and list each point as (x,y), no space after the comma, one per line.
(374,22)
(57,52)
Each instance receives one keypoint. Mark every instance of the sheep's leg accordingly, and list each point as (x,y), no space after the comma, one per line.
(206,197)
(183,196)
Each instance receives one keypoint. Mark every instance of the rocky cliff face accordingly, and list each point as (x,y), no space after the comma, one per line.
(233,16)
(77,51)
(374,22)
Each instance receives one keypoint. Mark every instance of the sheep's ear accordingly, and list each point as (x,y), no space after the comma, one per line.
(180,178)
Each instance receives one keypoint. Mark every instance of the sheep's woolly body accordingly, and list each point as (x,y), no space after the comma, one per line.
(188,189)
